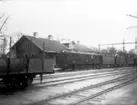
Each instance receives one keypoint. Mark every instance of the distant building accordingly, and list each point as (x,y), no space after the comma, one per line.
(77,47)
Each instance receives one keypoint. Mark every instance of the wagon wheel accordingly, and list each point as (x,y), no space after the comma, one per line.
(29,80)
(26,82)
(9,82)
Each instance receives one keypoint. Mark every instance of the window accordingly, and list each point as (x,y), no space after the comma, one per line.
(92,57)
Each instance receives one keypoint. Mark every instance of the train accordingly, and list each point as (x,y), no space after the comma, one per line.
(78,60)
(67,61)
(19,72)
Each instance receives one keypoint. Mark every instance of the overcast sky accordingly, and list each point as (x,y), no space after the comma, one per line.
(89,21)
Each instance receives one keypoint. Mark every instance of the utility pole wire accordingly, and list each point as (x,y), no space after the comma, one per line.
(131,15)
(131,27)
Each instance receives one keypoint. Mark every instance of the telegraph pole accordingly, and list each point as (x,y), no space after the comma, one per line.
(10,47)
(136,45)
(135,59)
(99,47)
(123,45)
(43,58)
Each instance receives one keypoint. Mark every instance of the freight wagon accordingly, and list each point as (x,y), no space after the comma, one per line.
(19,72)
(120,61)
(78,60)
(81,60)
(108,61)
(132,60)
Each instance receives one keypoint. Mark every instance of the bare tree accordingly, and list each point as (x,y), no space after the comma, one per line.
(112,50)
(132,52)
(3,38)
(19,35)
(122,53)
(104,51)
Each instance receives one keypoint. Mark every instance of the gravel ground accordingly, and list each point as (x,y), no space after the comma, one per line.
(123,96)
(126,95)
(29,96)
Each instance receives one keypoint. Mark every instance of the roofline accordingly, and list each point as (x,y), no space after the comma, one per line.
(27,39)
(33,42)
(81,52)
(16,42)
(41,48)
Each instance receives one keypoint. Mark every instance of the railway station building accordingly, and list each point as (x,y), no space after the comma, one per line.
(32,46)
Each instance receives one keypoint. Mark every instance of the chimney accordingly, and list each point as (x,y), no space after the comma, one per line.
(50,37)
(35,34)
(73,42)
(78,42)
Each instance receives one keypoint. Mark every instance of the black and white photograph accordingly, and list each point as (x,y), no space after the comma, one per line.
(68,52)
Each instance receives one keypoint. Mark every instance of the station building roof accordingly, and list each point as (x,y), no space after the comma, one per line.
(47,45)
(44,44)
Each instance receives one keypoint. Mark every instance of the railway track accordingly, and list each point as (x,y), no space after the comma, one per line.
(116,83)
(76,79)
(79,73)
(50,82)
(127,82)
